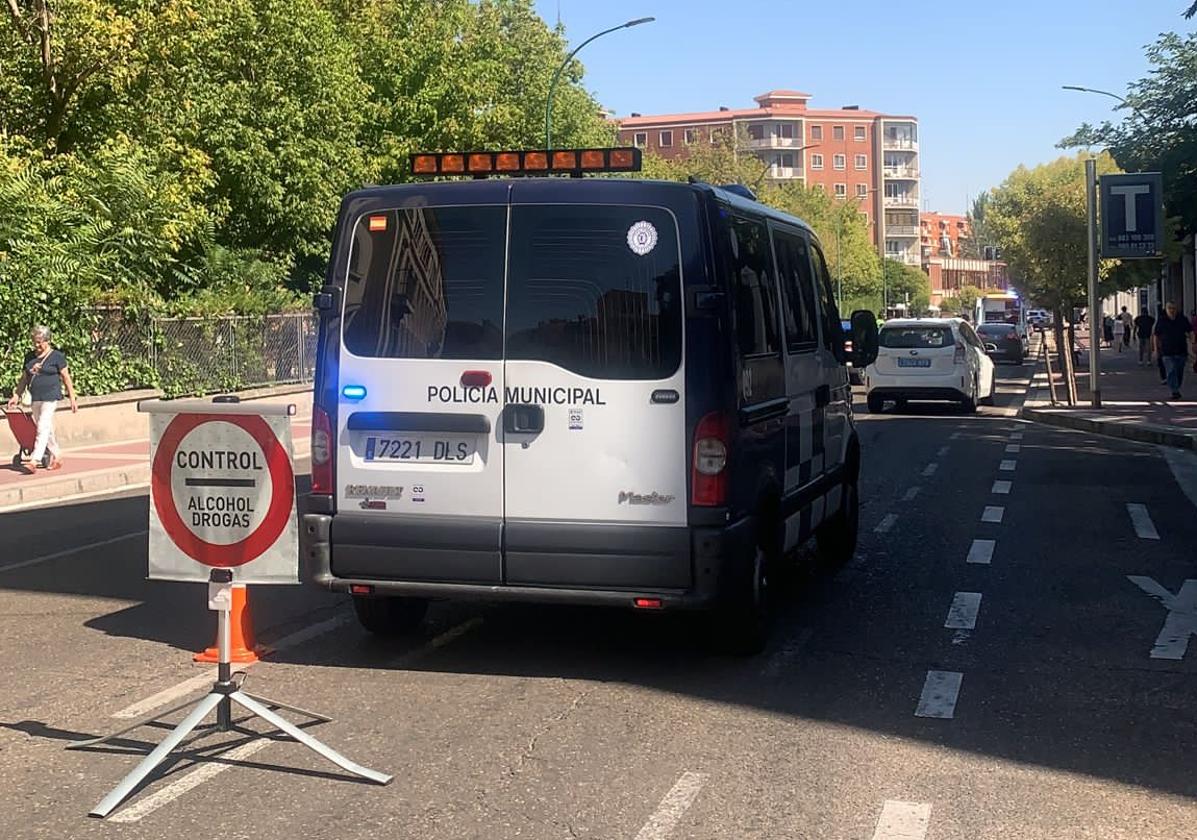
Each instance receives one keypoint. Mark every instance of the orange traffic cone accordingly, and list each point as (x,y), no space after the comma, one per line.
(242,648)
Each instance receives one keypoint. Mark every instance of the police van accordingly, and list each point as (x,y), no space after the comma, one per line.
(576,390)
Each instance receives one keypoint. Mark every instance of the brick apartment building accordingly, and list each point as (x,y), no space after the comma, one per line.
(853,154)
(946,267)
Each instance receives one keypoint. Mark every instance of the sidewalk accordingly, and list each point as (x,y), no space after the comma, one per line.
(94,470)
(1134,402)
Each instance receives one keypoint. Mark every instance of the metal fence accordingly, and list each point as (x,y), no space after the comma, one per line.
(206,355)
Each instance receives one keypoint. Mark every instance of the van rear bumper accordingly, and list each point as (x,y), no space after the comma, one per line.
(561,563)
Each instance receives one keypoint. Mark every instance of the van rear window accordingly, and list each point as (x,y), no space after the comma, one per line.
(917,337)
(427,283)
(595,289)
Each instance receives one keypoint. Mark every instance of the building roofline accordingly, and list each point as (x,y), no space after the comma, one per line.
(705,117)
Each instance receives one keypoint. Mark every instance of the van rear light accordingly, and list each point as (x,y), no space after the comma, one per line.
(708,469)
(958,356)
(647,603)
(476,379)
(322,453)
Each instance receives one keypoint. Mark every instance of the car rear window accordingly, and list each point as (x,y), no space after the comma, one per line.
(595,289)
(917,337)
(995,329)
(427,283)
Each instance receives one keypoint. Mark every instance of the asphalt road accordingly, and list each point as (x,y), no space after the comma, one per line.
(1039,712)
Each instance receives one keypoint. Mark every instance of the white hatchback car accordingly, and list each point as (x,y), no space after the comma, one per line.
(940,359)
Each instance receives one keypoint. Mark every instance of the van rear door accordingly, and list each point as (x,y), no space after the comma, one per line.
(419,470)
(595,427)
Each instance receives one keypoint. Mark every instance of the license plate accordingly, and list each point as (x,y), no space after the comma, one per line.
(914,363)
(421,449)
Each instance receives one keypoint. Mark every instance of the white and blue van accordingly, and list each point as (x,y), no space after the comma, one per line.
(576,390)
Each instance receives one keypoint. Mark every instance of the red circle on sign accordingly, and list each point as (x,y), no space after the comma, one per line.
(282,495)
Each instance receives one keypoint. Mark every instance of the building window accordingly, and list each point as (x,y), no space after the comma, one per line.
(816,132)
(756,131)
(841,190)
(690,136)
(716,135)
(862,190)
(893,248)
(862,161)
(860,133)
(786,131)
(666,139)
(837,132)
(640,139)
(783,162)
(840,161)
(816,161)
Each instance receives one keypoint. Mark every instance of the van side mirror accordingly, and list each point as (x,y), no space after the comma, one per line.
(865,342)
(325,300)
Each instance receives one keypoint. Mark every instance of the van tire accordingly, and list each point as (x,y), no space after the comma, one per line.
(876,403)
(390,616)
(743,625)
(836,538)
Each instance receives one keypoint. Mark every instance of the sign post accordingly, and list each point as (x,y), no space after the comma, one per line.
(222,511)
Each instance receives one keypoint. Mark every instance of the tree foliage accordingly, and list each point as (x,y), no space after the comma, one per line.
(1040,218)
(190,155)
(907,284)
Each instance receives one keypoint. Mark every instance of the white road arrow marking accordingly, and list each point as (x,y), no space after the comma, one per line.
(1181,622)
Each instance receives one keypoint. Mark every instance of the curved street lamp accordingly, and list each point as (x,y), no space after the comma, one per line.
(548,110)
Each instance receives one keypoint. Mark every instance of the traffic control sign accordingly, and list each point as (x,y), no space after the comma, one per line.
(222,492)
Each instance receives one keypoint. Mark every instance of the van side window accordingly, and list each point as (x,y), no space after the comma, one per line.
(833,333)
(798,291)
(754,288)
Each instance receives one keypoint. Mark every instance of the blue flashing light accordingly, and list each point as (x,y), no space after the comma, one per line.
(353,392)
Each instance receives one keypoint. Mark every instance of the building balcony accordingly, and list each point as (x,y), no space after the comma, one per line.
(905,257)
(905,231)
(906,200)
(773,143)
(908,173)
(900,144)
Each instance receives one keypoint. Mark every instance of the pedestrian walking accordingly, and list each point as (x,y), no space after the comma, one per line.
(1119,334)
(1107,331)
(1144,326)
(44,373)
(1173,335)
(1128,327)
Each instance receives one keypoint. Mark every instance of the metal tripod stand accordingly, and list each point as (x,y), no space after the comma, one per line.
(224,693)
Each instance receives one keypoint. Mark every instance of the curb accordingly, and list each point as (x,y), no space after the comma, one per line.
(83,484)
(1141,432)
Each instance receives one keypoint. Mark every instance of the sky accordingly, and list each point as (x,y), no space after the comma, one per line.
(982,76)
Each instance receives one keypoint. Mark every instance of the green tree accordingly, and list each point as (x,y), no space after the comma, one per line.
(907,284)
(980,232)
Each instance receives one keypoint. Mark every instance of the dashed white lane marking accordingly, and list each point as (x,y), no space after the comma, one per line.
(1002,488)
(903,820)
(1141,519)
(1008,465)
(1014,448)
(45,558)
(1016,436)
(886,523)
(930,469)
(675,804)
(981,552)
(192,780)
(911,492)
(193,684)
(940,691)
(943,450)
(993,513)
(954,436)
(962,615)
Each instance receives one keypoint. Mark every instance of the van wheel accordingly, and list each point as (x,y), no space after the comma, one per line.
(836,538)
(389,616)
(743,626)
(876,403)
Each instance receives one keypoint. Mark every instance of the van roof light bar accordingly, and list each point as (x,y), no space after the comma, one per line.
(574,162)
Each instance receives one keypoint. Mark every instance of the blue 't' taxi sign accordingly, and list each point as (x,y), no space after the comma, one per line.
(1132,215)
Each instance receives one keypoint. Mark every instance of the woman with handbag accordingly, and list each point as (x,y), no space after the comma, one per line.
(44,373)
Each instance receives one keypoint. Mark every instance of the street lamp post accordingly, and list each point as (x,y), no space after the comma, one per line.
(548,109)
(1095,317)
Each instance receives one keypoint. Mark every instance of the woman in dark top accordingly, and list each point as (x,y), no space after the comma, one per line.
(44,374)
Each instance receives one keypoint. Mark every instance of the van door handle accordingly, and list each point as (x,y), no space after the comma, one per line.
(523,419)
(822,396)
